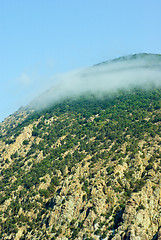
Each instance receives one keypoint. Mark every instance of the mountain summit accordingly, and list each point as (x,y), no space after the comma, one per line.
(137,70)
(87,165)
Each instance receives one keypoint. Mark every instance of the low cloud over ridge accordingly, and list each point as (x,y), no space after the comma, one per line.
(135,70)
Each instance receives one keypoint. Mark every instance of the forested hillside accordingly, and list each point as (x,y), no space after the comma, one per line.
(86,168)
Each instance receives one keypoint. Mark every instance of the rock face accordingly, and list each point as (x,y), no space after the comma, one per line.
(159,234)
(141,214)
(82,170)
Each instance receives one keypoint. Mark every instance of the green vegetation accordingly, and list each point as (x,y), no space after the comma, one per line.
(98,134)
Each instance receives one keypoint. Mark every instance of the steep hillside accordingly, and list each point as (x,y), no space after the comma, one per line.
(86,168)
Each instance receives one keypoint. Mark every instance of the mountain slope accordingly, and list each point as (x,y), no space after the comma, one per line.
(85,168)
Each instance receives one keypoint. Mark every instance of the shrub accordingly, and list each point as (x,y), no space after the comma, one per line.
(25,142)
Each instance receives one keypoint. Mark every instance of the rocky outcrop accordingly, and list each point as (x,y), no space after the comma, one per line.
(142,215)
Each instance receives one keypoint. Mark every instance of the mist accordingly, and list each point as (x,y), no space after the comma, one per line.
(139,70)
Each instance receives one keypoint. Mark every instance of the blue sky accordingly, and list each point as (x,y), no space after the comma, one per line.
(42,38)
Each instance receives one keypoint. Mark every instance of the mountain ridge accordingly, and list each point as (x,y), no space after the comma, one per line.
(132,56)
(138,70)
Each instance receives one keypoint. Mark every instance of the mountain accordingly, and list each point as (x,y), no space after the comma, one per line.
(87,166)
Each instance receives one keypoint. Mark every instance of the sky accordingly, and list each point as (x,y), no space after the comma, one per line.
(41,39)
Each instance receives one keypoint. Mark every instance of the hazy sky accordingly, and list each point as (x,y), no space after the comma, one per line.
(42,38)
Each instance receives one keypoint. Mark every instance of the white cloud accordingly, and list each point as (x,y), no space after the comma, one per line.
(50,63)
(136,70)
(24,80)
